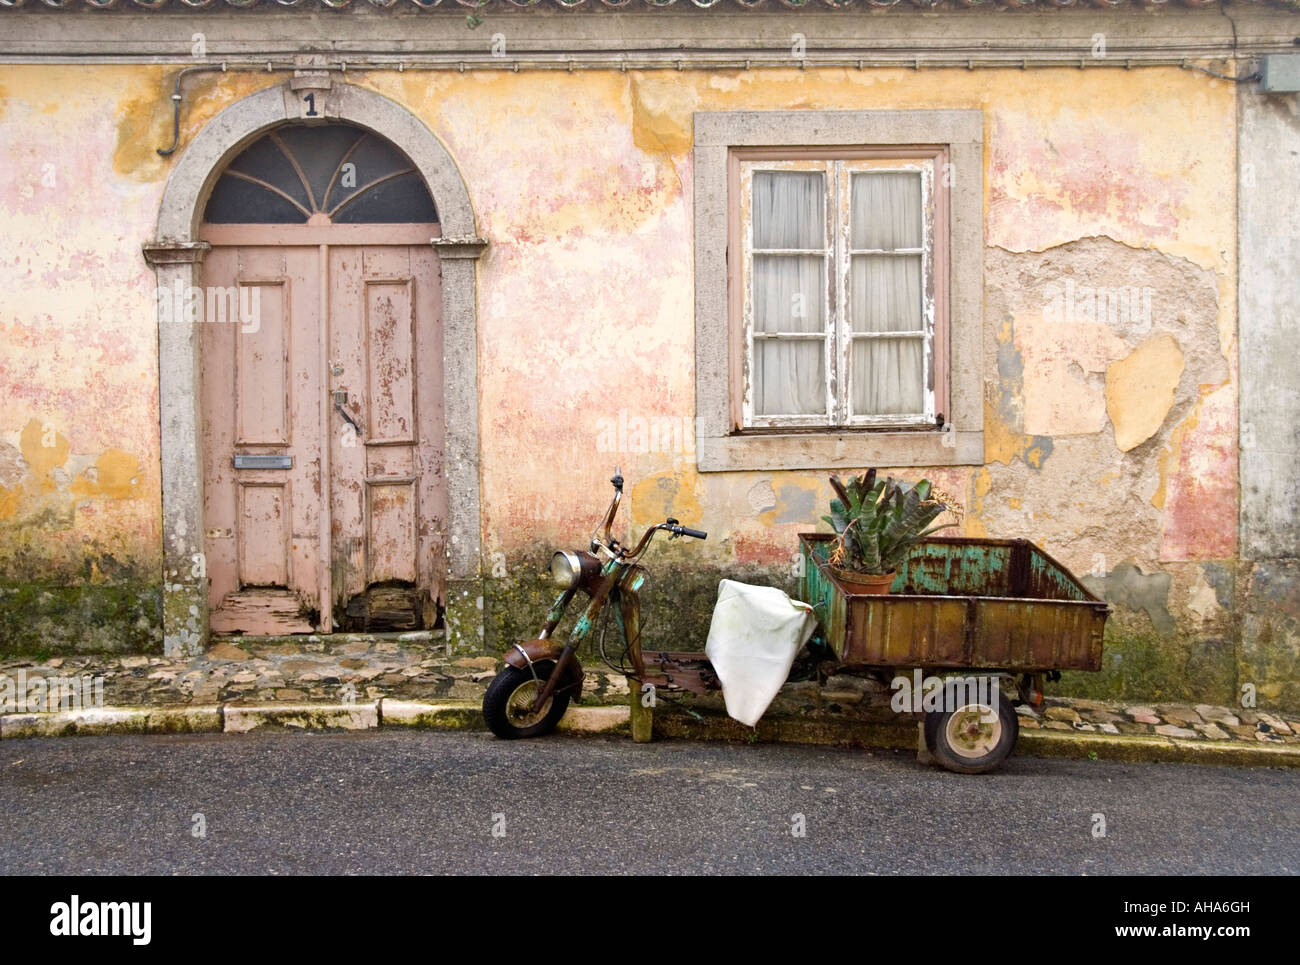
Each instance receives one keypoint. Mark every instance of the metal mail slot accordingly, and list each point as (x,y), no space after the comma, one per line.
(263,462)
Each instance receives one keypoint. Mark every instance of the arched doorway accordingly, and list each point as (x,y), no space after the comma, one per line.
(177,258)
(324,505)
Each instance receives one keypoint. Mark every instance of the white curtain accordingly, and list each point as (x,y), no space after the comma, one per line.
(789,210)
(885,295)
(789,292)
(887,210)
(888,376)
(789,377)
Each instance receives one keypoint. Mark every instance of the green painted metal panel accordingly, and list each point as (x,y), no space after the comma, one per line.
(993,604)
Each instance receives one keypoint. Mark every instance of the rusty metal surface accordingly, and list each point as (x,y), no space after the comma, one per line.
(678,670)
(570,675)
(993,604)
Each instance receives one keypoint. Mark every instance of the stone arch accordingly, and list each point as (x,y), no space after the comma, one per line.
(176,256)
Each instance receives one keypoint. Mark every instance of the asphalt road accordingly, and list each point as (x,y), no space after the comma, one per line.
(428,802)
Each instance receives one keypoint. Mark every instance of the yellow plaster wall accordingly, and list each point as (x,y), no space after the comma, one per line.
(582,183)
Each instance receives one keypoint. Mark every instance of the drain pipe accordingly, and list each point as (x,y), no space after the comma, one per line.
(176,103)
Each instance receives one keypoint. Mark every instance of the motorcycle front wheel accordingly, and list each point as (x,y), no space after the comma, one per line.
(508,704)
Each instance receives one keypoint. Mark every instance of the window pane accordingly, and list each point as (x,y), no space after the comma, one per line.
(265,161)
(887,210)
(372,158)
(789,377)
(236,201)
(319,149)
(788,210)
(789,293)
(885,291)
(403,198)
(888,376)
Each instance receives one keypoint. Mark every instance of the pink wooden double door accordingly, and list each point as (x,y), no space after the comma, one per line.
(324,501)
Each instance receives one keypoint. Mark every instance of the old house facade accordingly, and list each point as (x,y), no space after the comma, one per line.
(325,315)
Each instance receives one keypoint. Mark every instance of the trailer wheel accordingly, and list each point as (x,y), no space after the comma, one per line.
(974,737)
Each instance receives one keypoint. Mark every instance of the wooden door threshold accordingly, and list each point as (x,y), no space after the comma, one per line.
(260,612)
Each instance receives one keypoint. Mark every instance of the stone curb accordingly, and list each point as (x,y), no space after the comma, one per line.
(100,721)
(240,719)
(464,715)
(1168,750)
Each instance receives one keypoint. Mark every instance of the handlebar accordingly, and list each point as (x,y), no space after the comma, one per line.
(674,528)
(684,531)
(678,530)
(608,524)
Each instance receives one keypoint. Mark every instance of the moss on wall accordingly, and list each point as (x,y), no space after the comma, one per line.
(61,619)
(1140,664)
(676,606)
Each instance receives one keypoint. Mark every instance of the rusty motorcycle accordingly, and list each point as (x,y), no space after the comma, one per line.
(1001,609)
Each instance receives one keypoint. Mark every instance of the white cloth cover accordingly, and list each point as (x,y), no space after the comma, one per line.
(753,639)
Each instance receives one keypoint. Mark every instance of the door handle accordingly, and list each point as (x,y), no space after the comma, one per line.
(340,399)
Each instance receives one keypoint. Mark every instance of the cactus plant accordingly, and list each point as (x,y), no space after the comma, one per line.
(878,521)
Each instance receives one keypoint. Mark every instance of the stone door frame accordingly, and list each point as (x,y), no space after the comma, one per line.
(176,257)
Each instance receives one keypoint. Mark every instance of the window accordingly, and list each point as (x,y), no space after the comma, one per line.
(841,325)
(335,172)
(838,299)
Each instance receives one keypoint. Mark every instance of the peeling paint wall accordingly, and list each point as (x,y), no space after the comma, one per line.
(80,540)
(1109,329)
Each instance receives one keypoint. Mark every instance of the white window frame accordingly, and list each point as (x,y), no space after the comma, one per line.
(723,442)
(838,170)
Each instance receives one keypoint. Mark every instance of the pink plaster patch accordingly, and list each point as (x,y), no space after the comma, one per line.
(1080,176)
(1200,514)
(767,549)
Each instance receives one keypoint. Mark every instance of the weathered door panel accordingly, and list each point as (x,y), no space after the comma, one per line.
(387,496)
(371,315)
(261,407)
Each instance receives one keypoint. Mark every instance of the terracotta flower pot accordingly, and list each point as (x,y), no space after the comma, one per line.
(876,584)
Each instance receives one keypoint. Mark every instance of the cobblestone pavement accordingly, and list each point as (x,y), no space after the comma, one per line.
(415,667)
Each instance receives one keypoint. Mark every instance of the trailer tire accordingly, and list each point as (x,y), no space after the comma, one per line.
(967,739)
(507,696)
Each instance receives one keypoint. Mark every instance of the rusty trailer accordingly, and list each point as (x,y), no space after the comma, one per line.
(959,603)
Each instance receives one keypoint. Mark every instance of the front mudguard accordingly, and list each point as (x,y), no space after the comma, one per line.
(524,655)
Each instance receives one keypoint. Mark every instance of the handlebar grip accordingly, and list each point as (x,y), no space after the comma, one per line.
(697,533)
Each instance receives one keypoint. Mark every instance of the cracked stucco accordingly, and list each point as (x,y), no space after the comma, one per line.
(1099,179)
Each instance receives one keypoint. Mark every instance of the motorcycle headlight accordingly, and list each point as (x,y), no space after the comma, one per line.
(570,570)
(566,568)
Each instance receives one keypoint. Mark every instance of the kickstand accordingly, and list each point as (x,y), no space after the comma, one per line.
(923,755)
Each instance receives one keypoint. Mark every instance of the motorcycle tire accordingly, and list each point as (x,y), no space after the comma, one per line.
(508,701)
